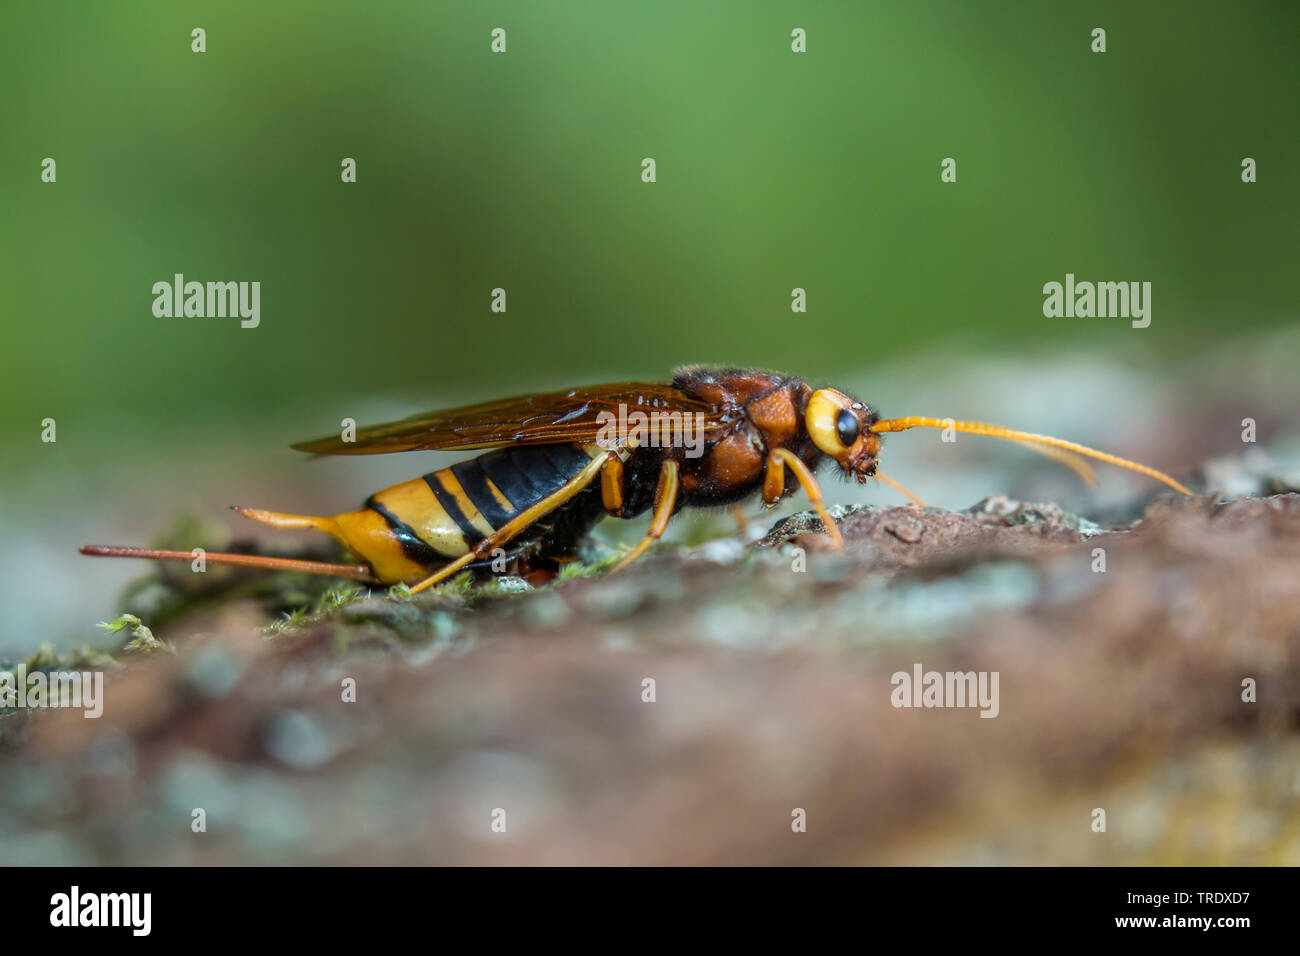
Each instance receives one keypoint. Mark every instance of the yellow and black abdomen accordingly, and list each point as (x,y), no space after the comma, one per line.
(410,529)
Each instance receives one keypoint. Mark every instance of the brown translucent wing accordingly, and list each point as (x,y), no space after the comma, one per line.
(555,418)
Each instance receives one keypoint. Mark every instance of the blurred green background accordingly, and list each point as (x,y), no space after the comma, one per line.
(775,170)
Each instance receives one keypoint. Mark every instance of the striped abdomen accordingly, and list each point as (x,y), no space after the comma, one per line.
(407,530)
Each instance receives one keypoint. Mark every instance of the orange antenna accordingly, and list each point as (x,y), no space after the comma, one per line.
(997,431)
(1069,459)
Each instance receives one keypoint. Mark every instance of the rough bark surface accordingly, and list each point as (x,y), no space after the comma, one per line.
(1119,689)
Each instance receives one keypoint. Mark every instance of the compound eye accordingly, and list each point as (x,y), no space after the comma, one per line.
(831,425)
(846,427)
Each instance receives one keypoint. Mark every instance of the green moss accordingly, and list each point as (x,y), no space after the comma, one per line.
(326,607)
(292,622)
(141,640)
(594,567)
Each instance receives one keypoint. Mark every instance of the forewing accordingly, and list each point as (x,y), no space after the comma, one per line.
(554,418)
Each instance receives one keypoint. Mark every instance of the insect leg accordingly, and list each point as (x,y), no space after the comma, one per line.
(881,476)
(742,522)
(611,485)
(774,483)
(665,500)
(519,522)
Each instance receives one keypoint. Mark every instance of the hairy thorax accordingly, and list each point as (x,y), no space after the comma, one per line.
(764,411)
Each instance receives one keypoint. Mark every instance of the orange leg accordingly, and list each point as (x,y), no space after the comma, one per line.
(774,484)
(742,523)
(665,501)
(881,476)
(611,485)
